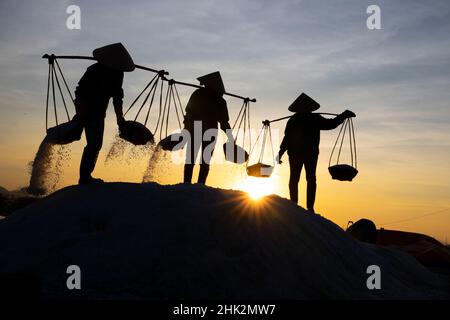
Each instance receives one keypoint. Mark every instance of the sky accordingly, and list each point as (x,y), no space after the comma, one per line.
(395,79)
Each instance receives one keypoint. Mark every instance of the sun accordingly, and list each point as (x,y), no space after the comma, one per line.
(257,188)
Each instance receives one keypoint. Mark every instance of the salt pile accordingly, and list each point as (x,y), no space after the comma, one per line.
(147,241)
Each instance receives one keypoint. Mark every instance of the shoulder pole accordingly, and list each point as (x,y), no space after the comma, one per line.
(162,73)
(198,86)
(287,117)
(52,56)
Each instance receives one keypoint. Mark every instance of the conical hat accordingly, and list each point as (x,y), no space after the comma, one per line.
(213,81)
(304,103)
(114,56)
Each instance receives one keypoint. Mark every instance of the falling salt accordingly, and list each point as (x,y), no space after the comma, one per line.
(46,168)
(122,150)
(117,150)
(158,165)
(40,168)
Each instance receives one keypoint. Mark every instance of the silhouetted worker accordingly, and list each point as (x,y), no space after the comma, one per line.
(208,106)
(301,141)
(100,82)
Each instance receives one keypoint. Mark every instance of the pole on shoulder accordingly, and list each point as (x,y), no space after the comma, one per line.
(199,87)
(162,73)
(47,56)
(52,57)
(287,117)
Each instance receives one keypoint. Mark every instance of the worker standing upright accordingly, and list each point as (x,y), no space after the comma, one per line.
(301,141)
(206,108)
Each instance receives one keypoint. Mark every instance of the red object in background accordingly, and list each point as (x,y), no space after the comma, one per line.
(425,249)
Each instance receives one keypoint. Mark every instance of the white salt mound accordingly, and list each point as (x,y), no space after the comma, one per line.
(191,241)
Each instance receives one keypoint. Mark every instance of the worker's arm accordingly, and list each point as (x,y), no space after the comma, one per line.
(284,143)
(118,100)
(225,126)
(119,111)
(283,146)
(330,124)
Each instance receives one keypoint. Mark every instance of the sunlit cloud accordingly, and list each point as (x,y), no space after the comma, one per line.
(396,79)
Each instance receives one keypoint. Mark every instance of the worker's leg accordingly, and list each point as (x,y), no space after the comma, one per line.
(207,152)
(203,173)
(310,168)
(93,129)
(295,164)
(188,170)
(192,149)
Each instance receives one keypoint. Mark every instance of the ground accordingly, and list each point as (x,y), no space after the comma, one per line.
(148,241)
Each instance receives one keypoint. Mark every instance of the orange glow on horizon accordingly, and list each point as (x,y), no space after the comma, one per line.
(382,192)
(257,188)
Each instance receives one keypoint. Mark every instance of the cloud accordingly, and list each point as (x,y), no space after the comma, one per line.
(396,79)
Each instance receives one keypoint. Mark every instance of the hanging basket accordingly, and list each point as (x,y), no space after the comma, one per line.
(136,133)
(64,133)
(261,169)
(60,133)
(173,142)
(344,172)
(172,101)
(234,153)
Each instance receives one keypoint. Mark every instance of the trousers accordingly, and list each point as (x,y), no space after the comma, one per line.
(296,163)
(195,144)
(93,129)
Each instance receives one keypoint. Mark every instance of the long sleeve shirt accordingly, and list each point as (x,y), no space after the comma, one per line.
(96,87)
(208,107)
(302,133)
